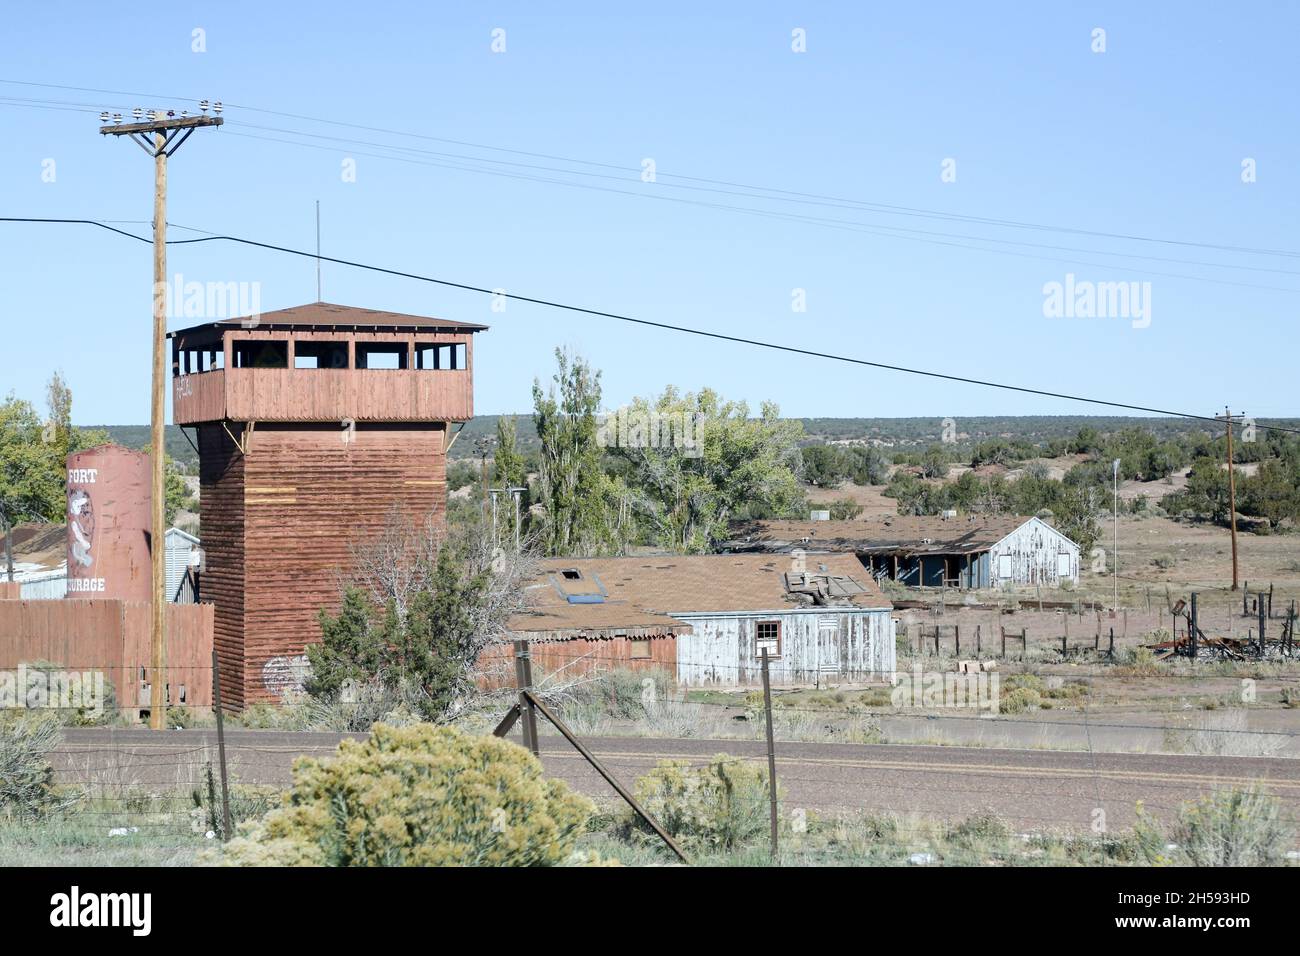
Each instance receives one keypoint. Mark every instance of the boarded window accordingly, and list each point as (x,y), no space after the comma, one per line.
(639,650)
(1063,564)
(767,636)
(1004,566)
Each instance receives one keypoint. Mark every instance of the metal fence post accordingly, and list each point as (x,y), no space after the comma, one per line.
(221,746)
(771,747)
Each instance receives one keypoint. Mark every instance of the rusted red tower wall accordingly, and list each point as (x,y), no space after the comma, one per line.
(108,524)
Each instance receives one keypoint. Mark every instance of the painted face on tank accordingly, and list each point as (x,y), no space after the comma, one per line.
(81,521)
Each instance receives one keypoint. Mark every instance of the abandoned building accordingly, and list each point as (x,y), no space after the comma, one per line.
(324,419)
(707,619)
(929,551)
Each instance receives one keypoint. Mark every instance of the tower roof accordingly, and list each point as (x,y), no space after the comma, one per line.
(327,315)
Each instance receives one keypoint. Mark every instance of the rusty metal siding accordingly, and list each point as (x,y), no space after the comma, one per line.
(576,657)
(308,495)
(108,524)
(817,644)
(1030,554)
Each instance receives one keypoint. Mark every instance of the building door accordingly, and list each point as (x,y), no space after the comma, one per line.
(1064,566)
(828,644)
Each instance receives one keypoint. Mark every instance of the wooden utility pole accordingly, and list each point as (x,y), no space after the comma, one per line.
(1229,420)
(160,135)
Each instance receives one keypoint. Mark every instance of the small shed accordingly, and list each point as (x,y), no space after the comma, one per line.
(930,551)
(184,559)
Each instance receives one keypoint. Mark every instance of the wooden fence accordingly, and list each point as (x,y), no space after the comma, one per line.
(112,636)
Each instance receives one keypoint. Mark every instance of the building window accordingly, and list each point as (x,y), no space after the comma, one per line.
(433,356)
(767,636)
(381,355)
(639,650)
(320,355)
(253,353)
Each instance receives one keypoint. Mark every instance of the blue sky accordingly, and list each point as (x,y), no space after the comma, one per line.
(1147,138)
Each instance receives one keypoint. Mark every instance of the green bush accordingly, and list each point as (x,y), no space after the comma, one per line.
(1019,700)
(721,806)
(26,777)
(178,715)
(417,796)
(1227,828)
(621,692)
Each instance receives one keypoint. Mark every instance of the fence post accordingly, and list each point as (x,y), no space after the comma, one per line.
(1004,642)
(977,640)
(1192,626)
(771,749)
(956,636)
(221,746)
(524,681)
(1263,643)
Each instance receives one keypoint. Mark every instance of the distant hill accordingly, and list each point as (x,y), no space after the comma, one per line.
(902,433)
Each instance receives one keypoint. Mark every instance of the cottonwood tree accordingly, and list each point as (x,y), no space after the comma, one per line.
(726,465)
(33,458)
(585,510)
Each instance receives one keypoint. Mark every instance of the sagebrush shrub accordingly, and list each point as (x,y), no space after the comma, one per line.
(418,796)
(26,777)
(720,806)
(1226,828)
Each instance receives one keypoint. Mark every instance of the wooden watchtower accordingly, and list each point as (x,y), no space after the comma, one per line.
(313,423)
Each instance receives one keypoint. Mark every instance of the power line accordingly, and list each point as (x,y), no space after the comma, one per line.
(847,225)
(649,323)
(883,208)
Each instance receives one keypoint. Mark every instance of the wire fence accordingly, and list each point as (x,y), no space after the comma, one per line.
(853,755)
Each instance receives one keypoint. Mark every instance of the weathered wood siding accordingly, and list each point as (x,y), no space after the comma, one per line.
(328,394)
(1030,554)
(96,634)
(221,503)
(290,510)
(816,643)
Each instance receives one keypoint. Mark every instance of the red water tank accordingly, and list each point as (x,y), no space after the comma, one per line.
(108,524)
